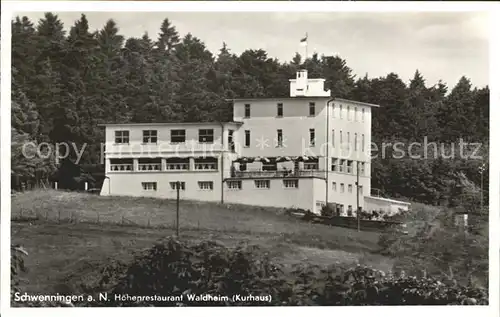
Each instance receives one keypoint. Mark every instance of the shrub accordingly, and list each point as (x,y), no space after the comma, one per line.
(327,211)
(176,268)
(17,267)
(438,248)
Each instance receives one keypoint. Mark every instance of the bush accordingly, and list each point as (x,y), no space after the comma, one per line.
(174,268)
(178,269)
(436,247)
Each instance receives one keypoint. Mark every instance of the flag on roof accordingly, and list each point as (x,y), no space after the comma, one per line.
(303,41)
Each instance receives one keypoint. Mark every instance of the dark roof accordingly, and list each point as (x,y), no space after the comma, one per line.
(168,123)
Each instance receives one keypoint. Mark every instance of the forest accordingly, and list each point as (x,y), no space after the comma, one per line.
(68,80)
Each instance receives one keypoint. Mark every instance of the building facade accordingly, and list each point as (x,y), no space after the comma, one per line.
(303,151)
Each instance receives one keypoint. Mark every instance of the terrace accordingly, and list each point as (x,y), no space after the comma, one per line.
(277,167)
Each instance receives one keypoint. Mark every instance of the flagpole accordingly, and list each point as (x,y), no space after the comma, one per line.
(307,44)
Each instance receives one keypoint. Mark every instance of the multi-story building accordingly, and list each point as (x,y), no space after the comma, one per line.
(303,151)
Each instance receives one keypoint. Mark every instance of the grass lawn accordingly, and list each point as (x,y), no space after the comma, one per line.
(62,255)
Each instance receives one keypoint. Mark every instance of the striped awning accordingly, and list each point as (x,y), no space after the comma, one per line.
(263,159)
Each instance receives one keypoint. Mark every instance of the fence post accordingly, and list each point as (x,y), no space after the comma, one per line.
(55,185)
(178,193)
(86,186)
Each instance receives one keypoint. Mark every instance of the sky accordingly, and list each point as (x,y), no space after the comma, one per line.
(441,45)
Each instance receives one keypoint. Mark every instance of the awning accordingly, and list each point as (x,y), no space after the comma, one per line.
(283,159)
(263,159)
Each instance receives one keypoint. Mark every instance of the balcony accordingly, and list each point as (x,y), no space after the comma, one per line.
(177,166)
(279,174)
(121,167)
(205,166)
(153,167)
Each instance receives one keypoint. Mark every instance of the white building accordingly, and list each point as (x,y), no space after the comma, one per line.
(302,151)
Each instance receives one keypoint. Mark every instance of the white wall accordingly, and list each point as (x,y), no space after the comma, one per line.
(295,124)
(130,184)
(136,147)
(277,196)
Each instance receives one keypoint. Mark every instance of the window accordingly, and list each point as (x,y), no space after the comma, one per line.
(291,183)
(348,140)
(360,190)
(334,186)
(362,143)
(355,113)
(349,188)
(333,110)
(122,137)
(279,138)
(243,167)
(149,136)
(263,184)
(230,140)
(176,163)
(247,138)
(280,110)
(121,165)
(349,167)
(312,137)
(335,164)
(311,166)
(206,135)
(182,185)
(348,113)
(333,138)
(342,166)
(349,211)
(234,184)
(247,110)
(320,204)
(341,139)
(342,187)
(206,185)
(149,164)
(312,109)
(362,114)
(178,136)
(361,168)
(206,163)
(340,111)
(355,141)
(149,186)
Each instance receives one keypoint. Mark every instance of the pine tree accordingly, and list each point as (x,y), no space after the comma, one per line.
(168,38)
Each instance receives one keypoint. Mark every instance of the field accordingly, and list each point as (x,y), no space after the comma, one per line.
(71,236)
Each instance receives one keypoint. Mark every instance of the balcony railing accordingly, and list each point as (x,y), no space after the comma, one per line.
(177,166)
(278,174)
(150,167)
(121,167)
(205,166)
